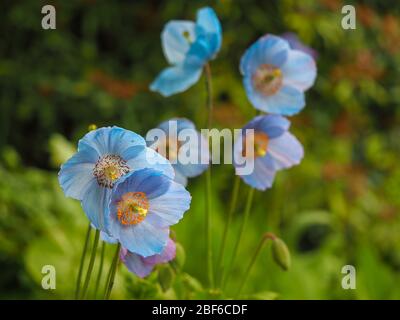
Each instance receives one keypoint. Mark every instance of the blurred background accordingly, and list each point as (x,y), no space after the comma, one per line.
(340,206)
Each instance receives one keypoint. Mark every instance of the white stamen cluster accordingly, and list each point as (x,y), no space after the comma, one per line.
(108,169)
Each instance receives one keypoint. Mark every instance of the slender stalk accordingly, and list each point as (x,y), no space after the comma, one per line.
(113,271)
(91,264)
(232,208)
(208,222)
(79,278)
(103,247)
(267,236)
(239,238)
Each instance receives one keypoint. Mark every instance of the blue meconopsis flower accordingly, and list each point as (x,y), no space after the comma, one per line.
(275,148)
(104,156)
(141,266)
(275,76)
(144,203)
(187,46)
(183,146)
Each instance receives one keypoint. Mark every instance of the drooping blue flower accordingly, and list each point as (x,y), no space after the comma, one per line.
(105,155)
(184,147)
(141,266)
(296,44)
(187,46)
(275,148)
(143,205)
(275,77)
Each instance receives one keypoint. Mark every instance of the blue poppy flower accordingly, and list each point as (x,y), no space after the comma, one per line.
(275,76)
(187,46)
(190,157)
(142,266)
(275,148)
(105,155)
(143,205)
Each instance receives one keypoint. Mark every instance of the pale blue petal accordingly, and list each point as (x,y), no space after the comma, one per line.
(272,125)
(171,206)
(135,263)
(175,80)
(144,239)
(263,174)
(180,178)
(269,49)
(175,45)
(299,71)
(167,255)
(150,158)
(95,204)
(76,175)
(287,101)
(152,183)
(286,151)
(110,140)
(207,23)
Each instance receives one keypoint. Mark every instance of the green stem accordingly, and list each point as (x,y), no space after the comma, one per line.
(79,278)
(91,264)
(239,238)
(103,247)
(113,271)
(208,223)
(232,208)
(267,236)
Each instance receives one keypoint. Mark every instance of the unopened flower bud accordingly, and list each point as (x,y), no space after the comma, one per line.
(281,254)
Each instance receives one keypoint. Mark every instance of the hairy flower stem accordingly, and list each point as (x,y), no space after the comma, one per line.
(112,273)
(91,264)
(79,278)
(239,238)
(210,270)
(103,247)
(232,208)
(265,237)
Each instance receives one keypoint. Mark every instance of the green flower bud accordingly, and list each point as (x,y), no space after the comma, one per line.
(280,253)
(166,276)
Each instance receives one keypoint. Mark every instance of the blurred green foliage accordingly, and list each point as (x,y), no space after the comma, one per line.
(340,206)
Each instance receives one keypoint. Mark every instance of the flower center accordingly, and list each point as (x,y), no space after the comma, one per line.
(267,79)
(261,141)
(132,208)
(109,169)
(186,35)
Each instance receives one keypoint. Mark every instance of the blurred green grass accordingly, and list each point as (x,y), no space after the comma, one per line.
(340,206)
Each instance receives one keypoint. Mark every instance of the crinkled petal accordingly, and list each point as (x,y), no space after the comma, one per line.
(95,204)
(170,206)
(135,263)
(286,151)
(174,41)
(152,183)
(180,178)
(269,49)
(208,24)
(287,101)
(110,140)
(167,255)
(263,174)
(272,125)
(176,79)
(76,175)
(149,158)
(143,238)
(299,71)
